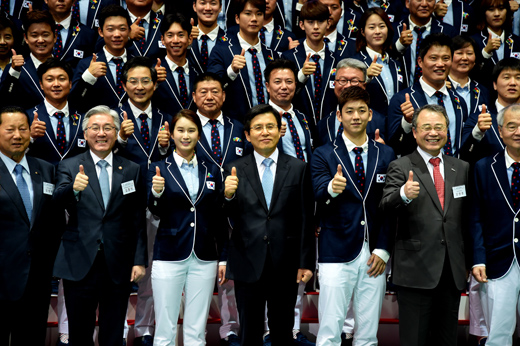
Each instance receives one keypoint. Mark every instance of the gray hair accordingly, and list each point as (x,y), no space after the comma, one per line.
(353,63)
(500,117)
(432,108)
(101,110)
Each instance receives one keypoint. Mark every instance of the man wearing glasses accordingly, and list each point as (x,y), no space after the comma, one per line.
(427,191)
(349,72)
(103,247)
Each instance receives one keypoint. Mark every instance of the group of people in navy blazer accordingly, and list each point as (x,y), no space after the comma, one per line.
(161,93)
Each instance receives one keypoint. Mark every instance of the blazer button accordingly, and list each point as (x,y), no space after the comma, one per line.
(192,209)
(516,240)
(192,224)
(265,237)
(443,242)
(516,219)
(362,223)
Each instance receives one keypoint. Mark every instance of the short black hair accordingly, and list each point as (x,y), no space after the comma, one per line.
(190,115)
(13,109)
(436,39)
(257,110)
(314,10)
(280,64)
(353,93)
(139,61)
(173,18)
(505,64)
(54,63)
(208,77)
(113,10)
(37,17)
(239,5)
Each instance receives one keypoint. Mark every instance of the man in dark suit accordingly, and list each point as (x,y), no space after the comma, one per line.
(55,124)
(102,248)
(494,222)
(269,200)
(426,190)
(29,228)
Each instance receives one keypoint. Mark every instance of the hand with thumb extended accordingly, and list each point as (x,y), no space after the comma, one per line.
(127,127)
(484,120)
(161,71)
(17,61)
(158,181)
(195,32)
(81,181)
(440,9)
(97,68)
(136,32)
(293,43)
(407,108)
(374,69)
(406,37)
(38,127)
(339,182)
(239,61)
(231,184)
(164,135)
(309,67)
(411,188)
(378,138)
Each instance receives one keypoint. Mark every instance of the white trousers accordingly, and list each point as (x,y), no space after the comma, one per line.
(341,282)
(500,303)
(477,322)
(169,279)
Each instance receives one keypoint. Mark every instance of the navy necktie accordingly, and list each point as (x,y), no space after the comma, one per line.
(104,181)
(448,150)
(257,72)
(75,11)
(119,74)
(359,170)
(515,185)
(204,53)
(145,131)
(4,6)
(58,46)
(61,138)
(183,89)
(262,34)
(267,181)
(215,141)
(295,137)
(418,70)
(142,42)
(317,88)
(340,130)
(23,189)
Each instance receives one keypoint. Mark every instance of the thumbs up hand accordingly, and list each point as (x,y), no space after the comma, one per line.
(374,69)
(411,188)
(440,9)
(164,135)
(484,120)
(293,43)
(161,71)
(339,182)
(309,67)
(158,181)
(127,127)
(17,61)
(239,62)
(136,32)
(81,181)
(378,138)
(492,44)
(38,127)
(195,32)
(231,184)
(407,108)
(406,37)
(97,68)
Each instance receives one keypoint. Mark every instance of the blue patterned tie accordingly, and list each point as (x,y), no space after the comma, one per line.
(61,138)
(58,46)
(145,131)
(515,185)
(359,169)
(340,130)
(262,34)
(23,189)
(448,150)
(317,88)
(257,72)
(295,137)
(204,53)
(75,11)
(183,90)
(418,70)
(215,141)
(4,6)
(327,41)
(267,181)
(119,73)
(103,181)
(142,42)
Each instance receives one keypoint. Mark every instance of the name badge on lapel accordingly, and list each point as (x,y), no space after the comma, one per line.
(161,45)
(78,53)
(48,188)
(128,187)
(210,185)
(380,178)
(82,143)
(459,191)
(239,151)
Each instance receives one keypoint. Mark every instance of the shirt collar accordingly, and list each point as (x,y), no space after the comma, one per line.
(269,26)
(163,9)
(110,56)
(372,52)
(501,37)
(35,61)
(509,159)
(145,18)
(413,25)
(499,106)
(281,110)
(447,2)
(259,158)
(136,111)
(204,119)
(108,159)
(246,46)
(212,34)
(456,84)
(66,22)
(308,50)
(10,164)
(430,91)
(173,66)
(332,36)
(350,146)
(179,160)
(51,109)
(426,157)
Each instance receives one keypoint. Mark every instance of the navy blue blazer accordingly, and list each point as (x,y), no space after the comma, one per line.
(395,9)
(233,145)
(28,248)
(351,217)
(327,127)
(45,147)
(153,48)
(21,8)
(376,88)
(103,92)
(493,218)
(167,97)
(94,10)
(479,96)
(304,122)
(198,226)
(239,98)
(351,17)
(80,43)
(463,18)
(303,100)
(280,41)
(406,58)
(134,149)
(404,143)
(194,56)
(345,46)
(24,91)
(90,224)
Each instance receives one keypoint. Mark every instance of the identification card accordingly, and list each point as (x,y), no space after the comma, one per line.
(48,188)
(380,178)
(128,187)
(459,191)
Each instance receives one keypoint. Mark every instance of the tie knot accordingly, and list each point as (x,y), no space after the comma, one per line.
(179,70)
(286,115)
(439,95)
(435,161)
(358,150)
(117,59)
(59,115)
(267,162)
(419,30)
(316,58)
(59,27)
(18,169)
(141,22)
(326,40)
(204,38)
(143,116)
(102,163)
(213,122)
(515,165)
(263,29)
(252,51)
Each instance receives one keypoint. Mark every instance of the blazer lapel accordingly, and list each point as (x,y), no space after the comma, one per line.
(344,158)
(9,186)
(450,173)
(282,168)
(421,171)
(498,166)
(203,172)
(253,176)
(74,126)
(226,141)
(175,172)
(373,159)
(37,183)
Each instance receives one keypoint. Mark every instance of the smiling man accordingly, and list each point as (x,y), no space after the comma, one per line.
(435,57)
